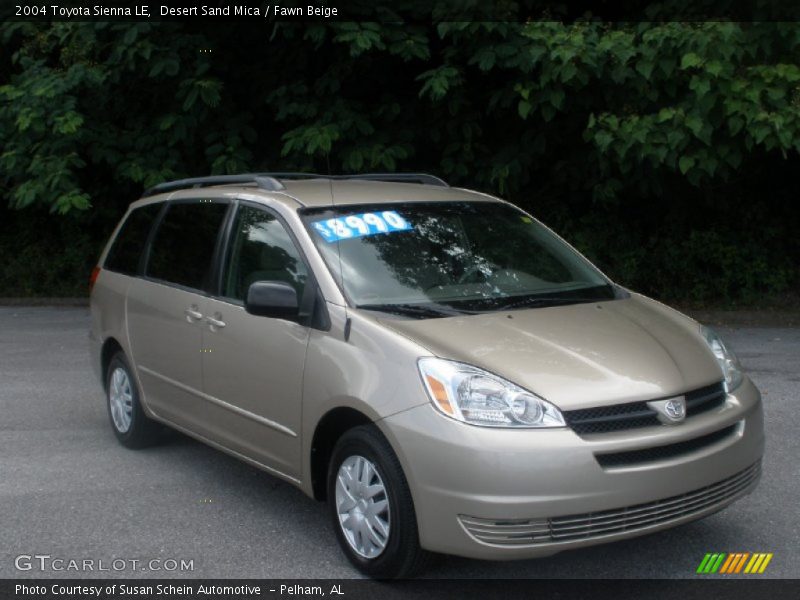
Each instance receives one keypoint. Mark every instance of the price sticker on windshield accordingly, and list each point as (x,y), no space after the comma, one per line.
(356,226)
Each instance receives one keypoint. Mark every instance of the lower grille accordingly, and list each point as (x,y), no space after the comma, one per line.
(636,457)
(519,532)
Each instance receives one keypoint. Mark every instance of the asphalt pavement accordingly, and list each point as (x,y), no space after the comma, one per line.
(69,491)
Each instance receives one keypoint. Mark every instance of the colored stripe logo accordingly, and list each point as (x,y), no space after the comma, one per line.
(735,562)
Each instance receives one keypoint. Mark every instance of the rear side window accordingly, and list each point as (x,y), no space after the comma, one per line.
(184,243)
(125,252)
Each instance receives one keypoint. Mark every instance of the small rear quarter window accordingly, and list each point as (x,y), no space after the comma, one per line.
(126,251)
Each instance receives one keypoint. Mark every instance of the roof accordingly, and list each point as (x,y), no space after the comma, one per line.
(316,191)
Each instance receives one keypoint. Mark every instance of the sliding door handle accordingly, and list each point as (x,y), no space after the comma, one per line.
(192,314)
(215,323)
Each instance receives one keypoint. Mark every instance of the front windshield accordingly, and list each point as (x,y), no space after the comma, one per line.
(449,257)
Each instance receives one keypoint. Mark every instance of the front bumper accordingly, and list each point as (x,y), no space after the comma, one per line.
(505,494)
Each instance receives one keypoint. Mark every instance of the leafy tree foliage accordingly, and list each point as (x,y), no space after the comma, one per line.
(663,150)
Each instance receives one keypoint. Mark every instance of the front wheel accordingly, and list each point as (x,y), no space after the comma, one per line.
(371,506)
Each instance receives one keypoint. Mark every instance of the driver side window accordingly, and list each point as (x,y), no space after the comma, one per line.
(261,250)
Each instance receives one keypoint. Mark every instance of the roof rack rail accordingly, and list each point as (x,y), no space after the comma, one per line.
(423,178)
(271,181)
(265,181)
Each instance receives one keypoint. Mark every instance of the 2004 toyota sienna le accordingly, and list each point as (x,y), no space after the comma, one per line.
(446,371)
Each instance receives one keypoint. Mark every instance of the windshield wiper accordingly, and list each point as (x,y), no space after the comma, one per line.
(604,293)
(545,301)
(412,310)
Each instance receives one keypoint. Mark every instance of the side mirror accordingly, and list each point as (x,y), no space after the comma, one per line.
(276,299)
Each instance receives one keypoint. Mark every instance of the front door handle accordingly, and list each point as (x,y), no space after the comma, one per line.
(192,314)
(216,321)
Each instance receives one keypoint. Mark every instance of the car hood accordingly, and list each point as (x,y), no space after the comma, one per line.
(579,355)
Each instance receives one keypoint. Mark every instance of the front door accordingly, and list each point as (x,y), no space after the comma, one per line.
(253,366)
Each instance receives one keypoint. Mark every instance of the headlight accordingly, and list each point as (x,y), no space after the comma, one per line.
(474,396)
(727,360)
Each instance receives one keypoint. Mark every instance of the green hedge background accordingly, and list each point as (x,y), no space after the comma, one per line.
(667,152)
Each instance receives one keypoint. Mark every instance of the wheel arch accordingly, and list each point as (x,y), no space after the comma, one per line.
(335,423)
(110,347)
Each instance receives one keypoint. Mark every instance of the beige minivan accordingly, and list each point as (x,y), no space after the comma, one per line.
(444,370)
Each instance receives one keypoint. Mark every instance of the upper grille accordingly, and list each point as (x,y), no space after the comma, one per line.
(632,415)
(635,457)
(519,532)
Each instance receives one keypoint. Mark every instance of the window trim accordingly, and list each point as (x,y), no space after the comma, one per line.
(313,300)
(227,247)
(119,230)
(207,285)
(304,211)
(145,256)
(317,310)
(221,258)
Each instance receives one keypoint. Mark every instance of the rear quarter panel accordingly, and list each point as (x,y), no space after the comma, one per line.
(108,316)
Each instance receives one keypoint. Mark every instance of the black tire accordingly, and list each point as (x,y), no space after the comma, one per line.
(142,431)
(402,556)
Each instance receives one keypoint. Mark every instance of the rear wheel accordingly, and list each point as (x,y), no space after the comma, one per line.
(131,426)
(371,506)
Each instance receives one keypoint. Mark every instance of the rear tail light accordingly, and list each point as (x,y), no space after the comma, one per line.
(93,278)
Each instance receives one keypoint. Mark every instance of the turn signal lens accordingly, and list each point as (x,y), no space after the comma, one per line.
(439,394)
